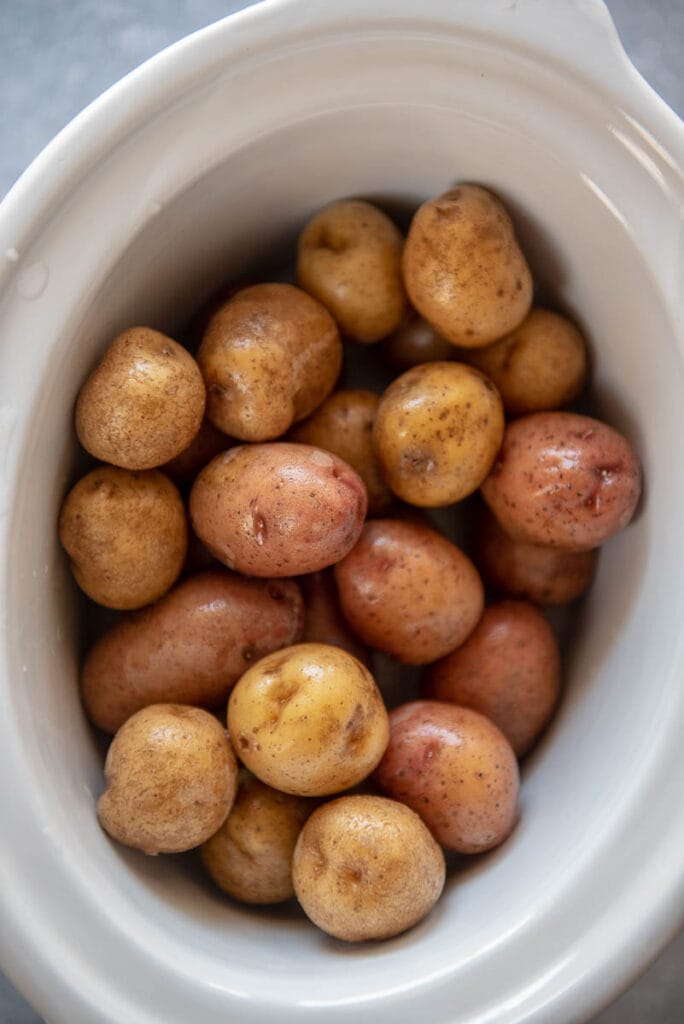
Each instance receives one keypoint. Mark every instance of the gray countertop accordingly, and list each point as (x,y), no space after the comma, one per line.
(58,55)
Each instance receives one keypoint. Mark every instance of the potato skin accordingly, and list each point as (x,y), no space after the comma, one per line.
(250,857)
(143,403)
(409,591)
(414,342)
(563,480)
(125,534)
(455,769)
(343,424)
(541,365)
(324,622)
(269,356)
(437,431)
(516,568)
(208,442)
(349,257)
(171,778)
(366,868)
(508,669)
(463,269)
(190,647)
(308,720)
(278,509)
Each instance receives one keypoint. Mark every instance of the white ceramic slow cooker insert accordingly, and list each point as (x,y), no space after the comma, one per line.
(196,167)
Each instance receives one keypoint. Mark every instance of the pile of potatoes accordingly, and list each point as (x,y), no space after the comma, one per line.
(265,534)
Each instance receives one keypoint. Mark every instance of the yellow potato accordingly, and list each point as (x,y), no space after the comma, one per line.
(308,720)
(269,356)
(143,403)
(171,779)
(350,258)
(208,442)
(125,534)
(366,868)
(463,269)
(415,342)
(437,431)
(250,857)
(343,425)
(541,365)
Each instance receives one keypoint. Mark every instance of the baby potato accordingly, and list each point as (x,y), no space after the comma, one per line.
(547,576)
(269,356)
(409,591)
(415,341)
(308,720)
(171,779)
(190,647)
(508,669)
(250,857)
(366,868)
(349,258)
(455,769)
(563,480)
(463,268)
(324,622)
(343,424)
(206,444)
(125,534)
(541,365)
(436,433)
(143,403)
(278,509)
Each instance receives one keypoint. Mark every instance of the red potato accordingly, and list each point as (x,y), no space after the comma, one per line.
(190,647)
(563,480)
(454,768)
(278,509)
(515,568)
(508,669)
(324,622)
(408,591)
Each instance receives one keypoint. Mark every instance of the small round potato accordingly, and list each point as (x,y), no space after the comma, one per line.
(269,356)
(456,770)
(250,857)
(463,269)
(508,669)
(349,257)
(171,779)
(563,480)
(308,720)
(125,534)
(541,365)
(324,622)
(207,443)
(415,341)
(437,431)
(409,591)
(516,568)
(143,403)
(190,647)
(343,424)
(278,509)
(366,868)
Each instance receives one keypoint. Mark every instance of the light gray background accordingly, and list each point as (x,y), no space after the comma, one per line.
(57,55)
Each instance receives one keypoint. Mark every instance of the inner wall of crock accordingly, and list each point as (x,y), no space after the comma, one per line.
(244,212)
